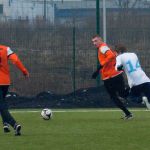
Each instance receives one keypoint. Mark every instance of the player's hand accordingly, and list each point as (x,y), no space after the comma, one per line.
(120,68)
(95,74)
(25,73)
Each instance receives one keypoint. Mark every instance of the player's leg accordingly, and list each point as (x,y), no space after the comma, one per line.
(146,102)
(6,116)
(110,85)
(122,89)
(137,93)
(146,90)
(3,105)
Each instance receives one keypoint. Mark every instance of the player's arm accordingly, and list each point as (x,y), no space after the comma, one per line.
(118,65)
(109,55)
(16,61)
(96,73)
(120,68)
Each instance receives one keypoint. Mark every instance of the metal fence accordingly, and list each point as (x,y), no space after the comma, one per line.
(59,60)
(60,57)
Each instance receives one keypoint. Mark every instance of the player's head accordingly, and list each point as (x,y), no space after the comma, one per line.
(120,48)
(97,40)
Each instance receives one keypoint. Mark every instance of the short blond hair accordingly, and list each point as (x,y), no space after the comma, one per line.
(97,37)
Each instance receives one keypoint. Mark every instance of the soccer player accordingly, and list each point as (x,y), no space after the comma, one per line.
(7,54)
(113,80)
(138,81)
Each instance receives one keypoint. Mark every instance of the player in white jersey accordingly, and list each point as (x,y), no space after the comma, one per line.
(138,81)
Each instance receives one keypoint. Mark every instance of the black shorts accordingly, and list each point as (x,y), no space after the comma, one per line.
(142,89)
(3,91)
(116,86)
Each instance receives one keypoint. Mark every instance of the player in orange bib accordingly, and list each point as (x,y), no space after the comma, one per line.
(113,80)
(7,54)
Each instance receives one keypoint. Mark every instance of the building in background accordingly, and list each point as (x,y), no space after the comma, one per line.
(49,10)
(27,10)
(62,10)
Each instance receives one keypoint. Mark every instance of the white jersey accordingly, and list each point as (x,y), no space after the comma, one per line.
(132,68)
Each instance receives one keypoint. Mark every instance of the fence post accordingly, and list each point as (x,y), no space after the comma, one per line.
(74,64)
(98,32)
(45,11)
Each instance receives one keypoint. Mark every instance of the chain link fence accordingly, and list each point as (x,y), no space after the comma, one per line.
(60,56)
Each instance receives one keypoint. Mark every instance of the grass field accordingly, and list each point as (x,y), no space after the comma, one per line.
(86,129)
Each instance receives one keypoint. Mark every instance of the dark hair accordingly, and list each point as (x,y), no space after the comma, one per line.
(120,48)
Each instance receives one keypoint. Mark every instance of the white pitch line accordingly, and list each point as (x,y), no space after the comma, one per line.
(74,111)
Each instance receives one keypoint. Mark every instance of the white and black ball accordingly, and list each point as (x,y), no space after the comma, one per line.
(46,114)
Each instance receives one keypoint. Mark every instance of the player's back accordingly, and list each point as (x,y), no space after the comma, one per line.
(108,70)
(132,67)
(4,68)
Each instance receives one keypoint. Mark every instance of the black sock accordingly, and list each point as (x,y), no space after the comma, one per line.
(121,106)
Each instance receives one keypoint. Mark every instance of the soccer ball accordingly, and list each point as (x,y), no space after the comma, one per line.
(46,114)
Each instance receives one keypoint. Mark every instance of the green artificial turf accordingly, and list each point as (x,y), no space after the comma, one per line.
(79,130)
